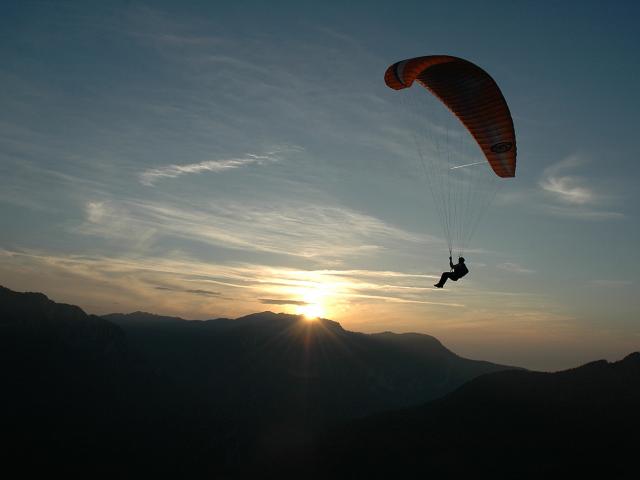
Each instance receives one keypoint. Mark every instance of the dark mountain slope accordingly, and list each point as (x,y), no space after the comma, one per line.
(285,366)
(157,395)
(515,424)
(58,348)
(73,394)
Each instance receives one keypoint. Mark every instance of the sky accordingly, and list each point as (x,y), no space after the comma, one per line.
(214,159)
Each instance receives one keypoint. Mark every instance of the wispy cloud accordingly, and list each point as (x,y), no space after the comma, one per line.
(569,188)
(272,301)
(150,177)
(583,213)
(206,293)
(239,288)
(572,194)
(299,228)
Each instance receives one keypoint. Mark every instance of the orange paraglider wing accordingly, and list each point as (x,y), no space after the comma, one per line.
(472,95)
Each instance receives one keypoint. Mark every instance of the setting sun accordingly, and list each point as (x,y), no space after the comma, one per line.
(314,298)
(311,311)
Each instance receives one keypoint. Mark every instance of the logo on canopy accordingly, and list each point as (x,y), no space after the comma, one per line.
(501,147)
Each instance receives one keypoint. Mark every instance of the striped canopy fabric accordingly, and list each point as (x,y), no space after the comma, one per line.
(472,95)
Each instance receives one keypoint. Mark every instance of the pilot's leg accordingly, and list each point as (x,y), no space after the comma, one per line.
(443,279)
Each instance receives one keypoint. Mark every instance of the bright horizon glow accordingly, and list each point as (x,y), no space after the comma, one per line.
(311,312)
(315,297)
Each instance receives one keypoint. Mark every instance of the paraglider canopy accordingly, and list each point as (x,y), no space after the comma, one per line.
(461,179)
(472,95)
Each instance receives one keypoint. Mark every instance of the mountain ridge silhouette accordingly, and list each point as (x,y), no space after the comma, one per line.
(568,423)
(276,393)
(232,390)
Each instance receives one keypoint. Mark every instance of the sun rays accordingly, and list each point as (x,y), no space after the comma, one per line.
(316,299)
(311,311)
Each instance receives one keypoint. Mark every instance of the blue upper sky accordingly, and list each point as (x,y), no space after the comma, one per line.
(210,159)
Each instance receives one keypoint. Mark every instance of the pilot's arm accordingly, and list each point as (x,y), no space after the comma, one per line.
(451,263)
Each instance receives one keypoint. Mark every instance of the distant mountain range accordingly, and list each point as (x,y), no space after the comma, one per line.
(155,395)
(283,366)
(579,423)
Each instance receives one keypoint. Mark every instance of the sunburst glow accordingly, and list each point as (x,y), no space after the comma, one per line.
(315,297)
(311,311)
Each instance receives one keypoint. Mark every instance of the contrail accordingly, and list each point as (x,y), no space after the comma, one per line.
(467,165)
